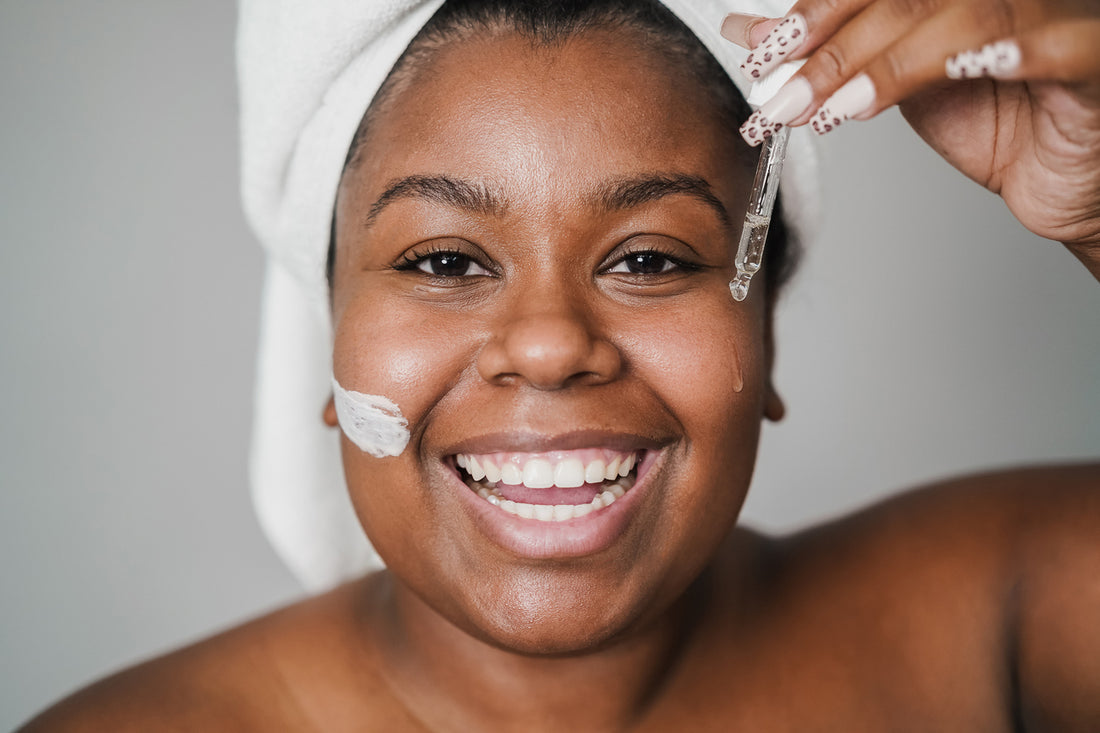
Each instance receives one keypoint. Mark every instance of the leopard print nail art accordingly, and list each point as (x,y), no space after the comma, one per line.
(758,128)
(777,47)
(992,60)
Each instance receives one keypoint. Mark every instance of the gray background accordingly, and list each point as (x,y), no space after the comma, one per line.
(926,335)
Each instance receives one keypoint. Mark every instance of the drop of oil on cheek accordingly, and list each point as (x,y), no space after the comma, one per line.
(737,377)
(374,423)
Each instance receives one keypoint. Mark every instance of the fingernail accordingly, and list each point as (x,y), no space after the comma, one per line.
(736,26)
(776,47)
(851,99)
(789,102)
(994,60)
(758,128)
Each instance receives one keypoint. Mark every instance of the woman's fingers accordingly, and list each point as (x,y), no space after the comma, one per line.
(1066,51)
(838,37)
(798,33)
(835,61)
(865,58)
(945,47)
(877,76)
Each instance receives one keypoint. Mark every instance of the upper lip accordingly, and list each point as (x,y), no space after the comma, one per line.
(530,442)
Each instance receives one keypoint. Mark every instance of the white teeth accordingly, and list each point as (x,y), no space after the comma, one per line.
(511,475)
(627,464)
(538,474)
(617,490)
(527,511)
(594,472)
(474,468)
(612,470)
(542,473)
(569,474)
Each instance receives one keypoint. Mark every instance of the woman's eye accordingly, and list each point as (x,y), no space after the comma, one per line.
(645,263)
(449,264)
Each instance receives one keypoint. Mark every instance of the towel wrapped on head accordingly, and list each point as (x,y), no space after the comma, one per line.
(308,71)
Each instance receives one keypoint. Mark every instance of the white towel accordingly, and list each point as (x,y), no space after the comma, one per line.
(308,71)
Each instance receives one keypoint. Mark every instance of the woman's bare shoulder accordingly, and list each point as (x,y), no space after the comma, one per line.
(972,599)
(277,672)
(981,588)
(989,513)
(990,525)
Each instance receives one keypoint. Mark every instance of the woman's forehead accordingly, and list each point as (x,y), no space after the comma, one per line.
(506,110)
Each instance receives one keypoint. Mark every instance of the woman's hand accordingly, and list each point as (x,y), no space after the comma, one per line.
(1008,91)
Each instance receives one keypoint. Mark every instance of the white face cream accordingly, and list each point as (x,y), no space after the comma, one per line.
(373,423)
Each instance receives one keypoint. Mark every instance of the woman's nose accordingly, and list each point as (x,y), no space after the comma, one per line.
(549,350)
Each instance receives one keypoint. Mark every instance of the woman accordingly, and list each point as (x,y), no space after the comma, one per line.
(531,251)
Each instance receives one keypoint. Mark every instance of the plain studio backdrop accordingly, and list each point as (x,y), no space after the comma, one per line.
(927,334)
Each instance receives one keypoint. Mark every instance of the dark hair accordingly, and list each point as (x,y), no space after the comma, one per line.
(552,22)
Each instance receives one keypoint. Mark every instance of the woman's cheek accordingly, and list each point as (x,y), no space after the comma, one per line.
(707,365)
(397,354)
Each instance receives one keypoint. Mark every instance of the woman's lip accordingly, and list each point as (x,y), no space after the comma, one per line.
(537,540)
(531,442)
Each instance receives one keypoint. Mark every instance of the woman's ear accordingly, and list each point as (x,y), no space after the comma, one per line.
(774,409)
(329,413)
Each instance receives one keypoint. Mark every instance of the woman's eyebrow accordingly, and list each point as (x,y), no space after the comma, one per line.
(637,190)
(473,197)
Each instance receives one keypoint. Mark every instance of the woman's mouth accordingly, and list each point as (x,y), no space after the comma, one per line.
(553,486)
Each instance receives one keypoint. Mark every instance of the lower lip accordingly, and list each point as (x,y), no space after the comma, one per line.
(577,537)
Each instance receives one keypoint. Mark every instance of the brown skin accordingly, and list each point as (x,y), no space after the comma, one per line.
(966,606)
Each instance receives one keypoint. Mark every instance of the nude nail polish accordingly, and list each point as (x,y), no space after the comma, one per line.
(736,27)
(850,100)
(789,102)
(778,46)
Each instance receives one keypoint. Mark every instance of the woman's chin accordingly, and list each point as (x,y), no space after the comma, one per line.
(550,627)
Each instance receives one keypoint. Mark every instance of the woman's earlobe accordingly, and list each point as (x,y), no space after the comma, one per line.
(774,409)
(329,413)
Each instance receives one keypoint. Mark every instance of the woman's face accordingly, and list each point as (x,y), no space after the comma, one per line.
(532,262)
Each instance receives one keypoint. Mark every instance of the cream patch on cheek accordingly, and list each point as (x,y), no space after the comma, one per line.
(374,423)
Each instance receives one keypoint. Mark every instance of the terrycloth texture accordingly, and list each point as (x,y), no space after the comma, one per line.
(308,71)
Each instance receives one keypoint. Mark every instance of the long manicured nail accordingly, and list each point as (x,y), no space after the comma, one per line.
(994,60)
(777,47)
(789,102)
(850,100)
(736,27)
(758,128)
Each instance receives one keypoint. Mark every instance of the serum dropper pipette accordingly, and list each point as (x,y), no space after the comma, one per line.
(765,186)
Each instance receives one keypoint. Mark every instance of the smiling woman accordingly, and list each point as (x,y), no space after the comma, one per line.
(551,406)
(564,300)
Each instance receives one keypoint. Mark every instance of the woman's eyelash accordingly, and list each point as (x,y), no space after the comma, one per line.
(644,261)
(442,262)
